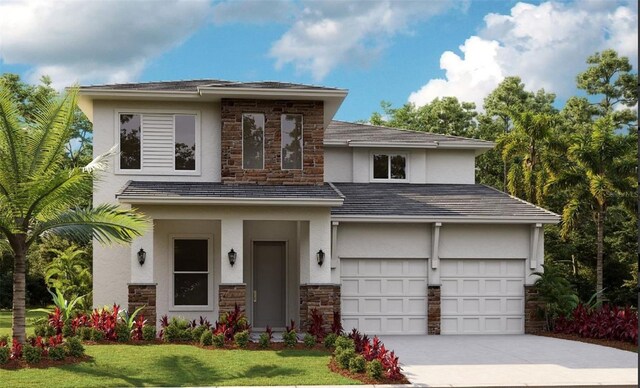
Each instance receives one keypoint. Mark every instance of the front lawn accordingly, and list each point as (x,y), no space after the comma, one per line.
(5,321)
(181,365)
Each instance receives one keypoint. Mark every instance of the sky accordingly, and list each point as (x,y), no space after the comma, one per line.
(398,51)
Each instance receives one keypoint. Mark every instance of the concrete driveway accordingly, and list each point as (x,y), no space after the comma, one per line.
(511,360)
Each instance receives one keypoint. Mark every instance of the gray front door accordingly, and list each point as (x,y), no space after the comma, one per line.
(269,284)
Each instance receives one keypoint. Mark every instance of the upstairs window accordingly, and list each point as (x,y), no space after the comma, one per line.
(389,167)
(130,135)
(158,143)
(253,141)
(185,142)
(291,135)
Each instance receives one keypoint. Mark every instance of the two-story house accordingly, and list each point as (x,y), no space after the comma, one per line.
(258,198)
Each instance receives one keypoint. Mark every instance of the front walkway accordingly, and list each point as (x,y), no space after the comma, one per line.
(511,360)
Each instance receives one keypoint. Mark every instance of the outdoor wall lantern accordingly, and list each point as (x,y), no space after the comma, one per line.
(142,256)
(232,257)
(320,257)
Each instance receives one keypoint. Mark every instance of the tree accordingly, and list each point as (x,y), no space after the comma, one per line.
(69,272)
(602,157)
(39,192)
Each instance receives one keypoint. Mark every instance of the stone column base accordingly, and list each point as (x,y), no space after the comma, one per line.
(323,297)
(433,310)
(229,295)
(143,294)
(533,315)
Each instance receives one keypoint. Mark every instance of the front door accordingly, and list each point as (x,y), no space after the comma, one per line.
(269,284)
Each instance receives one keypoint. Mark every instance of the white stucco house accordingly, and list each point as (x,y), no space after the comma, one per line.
(258,197)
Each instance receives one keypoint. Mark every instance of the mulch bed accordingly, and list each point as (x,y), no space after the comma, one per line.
(604,342)
(44,363)
(362,377)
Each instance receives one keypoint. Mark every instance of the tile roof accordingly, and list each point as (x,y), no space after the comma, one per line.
(186,190)
(342,131)
(193,85)
(433,200)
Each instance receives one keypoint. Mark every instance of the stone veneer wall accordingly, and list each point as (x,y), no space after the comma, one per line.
(533,320)
(433,310)
(312,112)
(143,295)
(323,297)
(229,295)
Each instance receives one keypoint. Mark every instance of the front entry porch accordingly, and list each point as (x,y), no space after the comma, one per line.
(276,276)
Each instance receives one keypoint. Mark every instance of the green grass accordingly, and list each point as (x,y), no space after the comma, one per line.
(181,365)
(5,321)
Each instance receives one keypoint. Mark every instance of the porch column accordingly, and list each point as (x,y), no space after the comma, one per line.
(433,283)
(316,290)
(232,289)
(142,287)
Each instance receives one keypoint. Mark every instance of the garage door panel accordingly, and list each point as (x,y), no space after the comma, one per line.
(482,296)
(384,296)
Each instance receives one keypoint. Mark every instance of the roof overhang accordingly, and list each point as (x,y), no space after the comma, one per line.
(450,220)
(319,202)
(480,147)
(332,98)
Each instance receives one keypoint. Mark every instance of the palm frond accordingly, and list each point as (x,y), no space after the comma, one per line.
(12,150)
(101,162)
(106,223)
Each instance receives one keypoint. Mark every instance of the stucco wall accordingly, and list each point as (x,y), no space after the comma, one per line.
(450,166)
(338,164)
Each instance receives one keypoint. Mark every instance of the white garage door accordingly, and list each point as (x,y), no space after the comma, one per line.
(482,296)
(384,296)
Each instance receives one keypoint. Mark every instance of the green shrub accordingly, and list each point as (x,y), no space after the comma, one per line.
(4,354)
(330,340)
(84,333)
(342,343)
(96,335)
(4,339)
(264,341)
(344,356)
(242,338)
(206,339)
(177,331)
(290,338)
(357,364)
(197,332)
(123,333)
(32,354)
(149,333)
(67,329)
(309,340)
(40,330)
(74,347)
(56,353)
(218,340)
(49,331)
(374,369)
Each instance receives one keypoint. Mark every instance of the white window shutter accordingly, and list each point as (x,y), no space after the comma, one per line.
(157,141)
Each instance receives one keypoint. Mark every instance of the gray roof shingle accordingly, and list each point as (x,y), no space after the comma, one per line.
(433,200)
(342,131)
(186,190)
(193,85)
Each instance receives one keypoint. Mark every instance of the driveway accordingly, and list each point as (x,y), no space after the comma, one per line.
(511,360)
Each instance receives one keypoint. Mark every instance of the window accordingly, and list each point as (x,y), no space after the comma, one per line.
(190,272)
(185,142)
(130,151)
(252,141)
(158,142)
(389,167)
(291,135)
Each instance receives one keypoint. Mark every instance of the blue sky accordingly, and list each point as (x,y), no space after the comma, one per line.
(398,51)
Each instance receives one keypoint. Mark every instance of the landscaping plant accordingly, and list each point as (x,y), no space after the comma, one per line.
(32,354)
(315,326)
(357,364)
(290,337)
(330,340)
(309,340)
(218,340)
(56,353)
(264,341)
(242,338)
(206,339)
(74,347)
(611,323)
(5,354)
(336,325)
(374,369)
(149,333)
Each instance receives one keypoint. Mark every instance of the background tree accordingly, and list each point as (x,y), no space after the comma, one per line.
(39,192)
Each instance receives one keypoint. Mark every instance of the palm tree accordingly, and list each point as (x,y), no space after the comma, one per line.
(39,194)
(600,170)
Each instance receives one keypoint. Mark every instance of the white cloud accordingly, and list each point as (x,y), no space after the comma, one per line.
(546,45)
(92,41)
(327,34)
(253,11)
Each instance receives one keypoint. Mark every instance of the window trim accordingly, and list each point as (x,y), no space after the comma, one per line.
(210,272)
(173,113)
(264,130)
(389,179)
(301,143)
